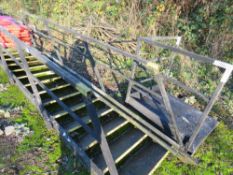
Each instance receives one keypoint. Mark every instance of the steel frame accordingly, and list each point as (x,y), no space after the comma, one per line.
(97,133)
(139,61)
(210,102)
(174,146)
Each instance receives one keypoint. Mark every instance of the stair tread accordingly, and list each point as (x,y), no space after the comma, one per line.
(53,88)
(47,72)
(121,147)
(75,125)
(110,127)
(18,58)
(32,63)
(39,75)
(145,160)
(31,68)
(75,107)
(61,97)
(51,83)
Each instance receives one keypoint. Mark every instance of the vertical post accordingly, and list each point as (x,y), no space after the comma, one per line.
(100,135)
(168,107)
(58,54)
(209,106)
(95,68)
(139,44)
(25,22)
(25,66)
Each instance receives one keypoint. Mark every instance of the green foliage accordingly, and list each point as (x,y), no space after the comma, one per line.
(12,97)
(3,77)
(215,156)
(40,150)
(206,28)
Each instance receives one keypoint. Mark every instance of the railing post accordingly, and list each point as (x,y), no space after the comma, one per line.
(168,107)
(209,106)
(139,44)
(25,66)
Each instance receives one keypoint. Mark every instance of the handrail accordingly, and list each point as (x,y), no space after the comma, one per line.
(109,47)
(141,61)
(98,133)
(25,66)
(136,119)
(150,91)
(210,102)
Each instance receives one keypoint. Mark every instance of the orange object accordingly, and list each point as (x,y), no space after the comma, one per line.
(19,30)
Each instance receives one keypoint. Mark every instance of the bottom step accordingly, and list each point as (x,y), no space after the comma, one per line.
(145,160)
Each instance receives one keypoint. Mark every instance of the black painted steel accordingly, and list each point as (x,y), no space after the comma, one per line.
(174,126)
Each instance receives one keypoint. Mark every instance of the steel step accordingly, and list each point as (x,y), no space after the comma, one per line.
(110,128)
(50,82)
(30,64)
(62,94)
(48,77)
(13,52)
(145,160)
(28,58)
(53,88)
(75,125)
(133,152)
(73,108)
(122,147)
(32,68)
(38,74)
(56,108)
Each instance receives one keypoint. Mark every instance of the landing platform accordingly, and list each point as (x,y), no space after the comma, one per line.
(186,117)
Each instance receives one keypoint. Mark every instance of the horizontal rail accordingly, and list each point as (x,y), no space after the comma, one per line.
(97,133)
(198,57)
(210,102)
(157,38)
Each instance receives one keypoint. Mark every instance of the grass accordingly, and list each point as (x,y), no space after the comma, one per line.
(3,77)
(41,151)
(12,97)
(215,156)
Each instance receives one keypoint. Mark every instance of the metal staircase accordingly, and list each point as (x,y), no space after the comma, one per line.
(110,136)
(131,148)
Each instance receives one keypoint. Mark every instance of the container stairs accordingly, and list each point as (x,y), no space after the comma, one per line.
(112,137)
(132,150)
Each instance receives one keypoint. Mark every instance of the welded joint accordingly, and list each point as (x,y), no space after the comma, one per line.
(178,41)
(228,70)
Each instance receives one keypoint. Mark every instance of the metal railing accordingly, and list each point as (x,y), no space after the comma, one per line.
(175,146)
(228,68)
(97,132)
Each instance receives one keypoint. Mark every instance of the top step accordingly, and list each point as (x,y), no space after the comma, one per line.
(186,116)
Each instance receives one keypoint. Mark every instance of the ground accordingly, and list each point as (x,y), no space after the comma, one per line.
(40,152)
